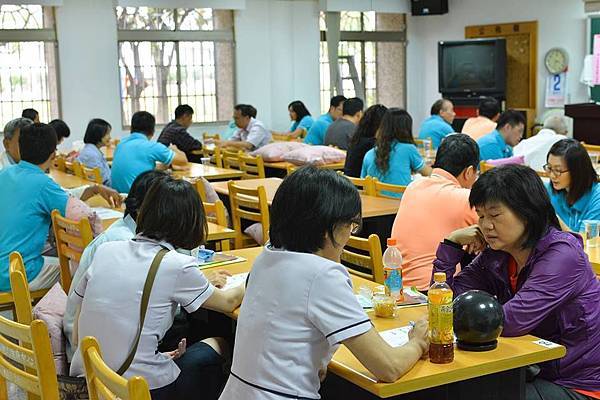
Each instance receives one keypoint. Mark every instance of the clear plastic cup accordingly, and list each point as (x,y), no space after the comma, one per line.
(385,306)
(205,160)
(591,232)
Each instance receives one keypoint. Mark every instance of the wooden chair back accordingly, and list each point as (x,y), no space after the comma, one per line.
(230,158)
(214,153)
(201,190)
(365,254)
(252,167)
(74,168)
(214,136)
(485,167)
(26,359)
(591,147)
(72,237)
(8,300)
(92,174)
(419,142)
(380,187)
(291,168)
(60,163)
(250,205)
(278,137)
(103,382)
(364,185)
(20,289)
(215,213)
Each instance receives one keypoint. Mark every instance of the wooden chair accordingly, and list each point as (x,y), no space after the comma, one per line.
(200,189)
(365,254)
(591,147)
(291,168)
(7,299)
(278,137)
(92,174)
(72,237)
(230,158)
(250,205)
(218,215)
(214,136)
(59,164)
(380,187)
(103,382)
(485,167)
(26,359)
(20,289)
(252,167)
(214,153)
(74,168)
(364,185)
(419,142)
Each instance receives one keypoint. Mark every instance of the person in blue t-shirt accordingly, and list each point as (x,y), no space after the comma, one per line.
(316,133)
(573,188)
(136,153)
(301,120)
(439,124)
(508,133)
(395,156)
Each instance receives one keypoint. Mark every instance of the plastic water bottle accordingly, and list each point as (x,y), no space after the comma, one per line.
(392,271)
(441,347)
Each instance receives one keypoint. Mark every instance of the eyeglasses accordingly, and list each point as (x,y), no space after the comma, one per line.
(553,171)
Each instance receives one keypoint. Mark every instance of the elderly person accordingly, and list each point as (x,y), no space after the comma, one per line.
(535,149)
(12,130)
(540,274)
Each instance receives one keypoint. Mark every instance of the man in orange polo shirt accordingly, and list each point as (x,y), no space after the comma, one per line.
(433,207)
(489,112)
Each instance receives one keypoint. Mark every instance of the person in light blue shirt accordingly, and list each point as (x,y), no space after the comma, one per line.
(500,142)
(316,133)
(439,124)
(395,156)
(136,153)
(27,200)
(574,190)
(301,120)
(97,135)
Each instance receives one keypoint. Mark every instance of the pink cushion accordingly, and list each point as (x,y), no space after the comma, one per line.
(318,155)
(274,152)
(255,232)
(51,309)
(506,161)
(77,210)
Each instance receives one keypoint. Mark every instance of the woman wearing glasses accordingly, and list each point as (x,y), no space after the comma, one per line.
(299,303)
(573,187)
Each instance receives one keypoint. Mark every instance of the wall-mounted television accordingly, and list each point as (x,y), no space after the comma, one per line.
(472,67)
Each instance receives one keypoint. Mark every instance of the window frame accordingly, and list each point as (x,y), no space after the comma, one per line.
(177,36)
(363,36)
(46,35)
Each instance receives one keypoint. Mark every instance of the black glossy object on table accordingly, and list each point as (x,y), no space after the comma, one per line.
(478,320)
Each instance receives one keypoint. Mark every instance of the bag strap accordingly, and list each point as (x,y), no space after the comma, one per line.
(143,307)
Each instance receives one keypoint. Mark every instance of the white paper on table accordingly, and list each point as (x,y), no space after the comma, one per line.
(107,213)
(396,337)
(546,343)
(235,280)
(364,302)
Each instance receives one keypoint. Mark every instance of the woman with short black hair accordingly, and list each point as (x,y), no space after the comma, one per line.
(300,305)
(573,188)
(97,135)
(172,219)
(539,273)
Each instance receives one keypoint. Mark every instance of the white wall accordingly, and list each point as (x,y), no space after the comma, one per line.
(561,23)
(277,57)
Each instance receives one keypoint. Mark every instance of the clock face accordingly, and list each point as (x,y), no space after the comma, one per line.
(556,61)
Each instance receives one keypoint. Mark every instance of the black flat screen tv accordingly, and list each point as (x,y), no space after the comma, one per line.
(472,67)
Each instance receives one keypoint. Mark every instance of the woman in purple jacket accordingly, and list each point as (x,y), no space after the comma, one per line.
(540,274)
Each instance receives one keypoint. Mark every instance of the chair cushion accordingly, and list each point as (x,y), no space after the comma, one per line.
(51,309)
(520,160)
(317,155)
(274,152)
(255,232)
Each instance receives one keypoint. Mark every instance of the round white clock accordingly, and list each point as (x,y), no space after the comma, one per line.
(556,60)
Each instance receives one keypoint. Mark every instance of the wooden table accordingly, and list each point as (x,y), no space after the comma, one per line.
(371,206)
(208,172)
(511,354)
(66,180)
(594,256)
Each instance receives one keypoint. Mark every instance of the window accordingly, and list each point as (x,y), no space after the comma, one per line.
(371,58)
(28,75)
(171,56)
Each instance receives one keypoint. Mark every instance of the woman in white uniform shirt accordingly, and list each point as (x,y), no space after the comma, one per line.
(299,304)
(171,217)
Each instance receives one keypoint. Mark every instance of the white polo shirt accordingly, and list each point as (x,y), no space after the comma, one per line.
(255,133)
(297,308)
(111,293)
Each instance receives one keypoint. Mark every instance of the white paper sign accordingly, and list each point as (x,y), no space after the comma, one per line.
(556,90)
(107,213)
(546,343)
(396,337)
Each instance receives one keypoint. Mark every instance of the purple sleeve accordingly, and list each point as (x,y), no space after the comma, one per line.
(555,278)
(473,276)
